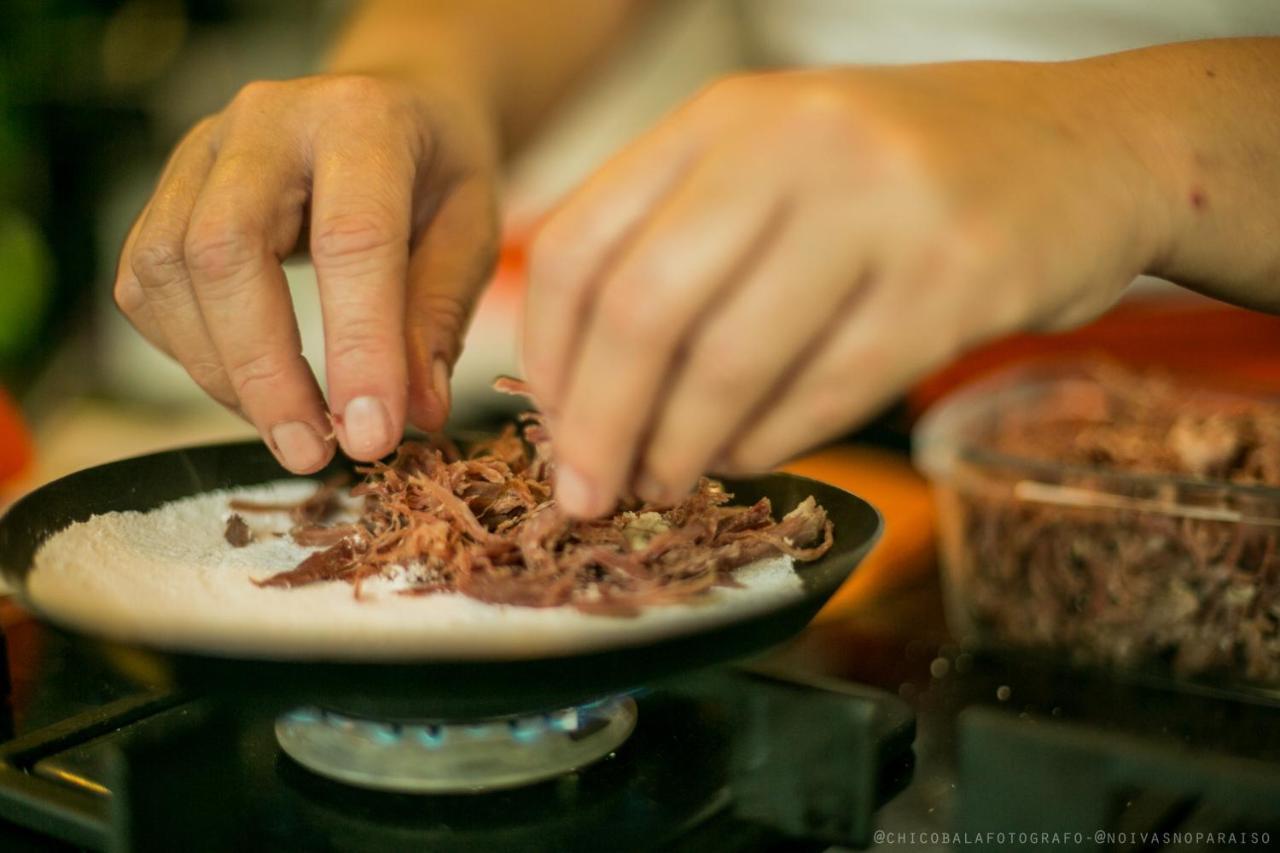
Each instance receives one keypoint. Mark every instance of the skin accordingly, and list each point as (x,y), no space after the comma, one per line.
(763,270)
(386,171)
(893,237)
(789,251)
(200,274)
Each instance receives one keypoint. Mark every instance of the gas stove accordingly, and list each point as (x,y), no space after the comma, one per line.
(729,758)
(426,756)
(1023,752)
(873,731)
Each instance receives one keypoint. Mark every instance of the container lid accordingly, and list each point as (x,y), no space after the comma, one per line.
(1092,433)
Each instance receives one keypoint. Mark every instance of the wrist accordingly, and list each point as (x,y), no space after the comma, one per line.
(1142,153)
(442,67)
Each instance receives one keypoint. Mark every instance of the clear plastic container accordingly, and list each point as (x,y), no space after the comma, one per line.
(1114,519)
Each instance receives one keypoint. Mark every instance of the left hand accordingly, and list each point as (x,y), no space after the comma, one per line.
(789,251)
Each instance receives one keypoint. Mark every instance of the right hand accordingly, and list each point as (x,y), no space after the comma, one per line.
(395,187)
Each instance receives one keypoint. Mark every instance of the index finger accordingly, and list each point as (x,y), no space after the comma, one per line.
(360,229)
(574,248)
(248,210)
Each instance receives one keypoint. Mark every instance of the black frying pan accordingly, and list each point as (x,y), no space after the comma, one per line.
(426,689)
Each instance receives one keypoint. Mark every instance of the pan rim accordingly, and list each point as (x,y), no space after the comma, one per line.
(820,579)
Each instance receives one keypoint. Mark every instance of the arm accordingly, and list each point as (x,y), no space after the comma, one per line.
(789,251)
(517,57)
(387,170)
(1204,117)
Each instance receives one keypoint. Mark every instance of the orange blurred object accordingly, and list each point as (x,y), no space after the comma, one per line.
(1190,336)
(907,549)
(1185,335)
(15,441)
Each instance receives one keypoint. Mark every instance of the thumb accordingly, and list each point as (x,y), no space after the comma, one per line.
(447,270)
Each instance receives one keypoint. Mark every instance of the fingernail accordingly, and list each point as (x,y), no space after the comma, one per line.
(440,384)
(367,426)
(299,447)
(649,489)
(574,492)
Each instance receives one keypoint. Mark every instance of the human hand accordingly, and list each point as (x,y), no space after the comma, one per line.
(788,251)
(390,186)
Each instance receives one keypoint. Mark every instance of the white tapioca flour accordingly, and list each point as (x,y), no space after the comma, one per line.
(169,578)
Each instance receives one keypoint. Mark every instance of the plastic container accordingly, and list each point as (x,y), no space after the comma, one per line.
(1115,518)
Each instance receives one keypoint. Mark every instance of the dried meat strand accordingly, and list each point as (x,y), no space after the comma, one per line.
(1170,575)
(485,524)
(330,564)
(237,533)
(321,536)
(314,508)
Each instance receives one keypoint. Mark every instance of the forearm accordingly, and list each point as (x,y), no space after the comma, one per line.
(517,58)
(1203,119)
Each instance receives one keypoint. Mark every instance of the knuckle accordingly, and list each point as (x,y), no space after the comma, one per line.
(360,337)
(203,128)
(157,260)
(217,249)
(442,311)
(250,101)
(645,298)
(259,375)
(205,132)
(348,236)
(630,317)
(819,115)
(731,88)
(212,378)
(903,154)
(127,295)
(552,256)
(254,92)
(357,89)
(721,104)
(820,105)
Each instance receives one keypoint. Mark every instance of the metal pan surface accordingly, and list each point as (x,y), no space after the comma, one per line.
(405,682)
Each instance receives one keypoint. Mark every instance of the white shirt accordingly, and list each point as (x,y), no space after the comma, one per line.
(691,41)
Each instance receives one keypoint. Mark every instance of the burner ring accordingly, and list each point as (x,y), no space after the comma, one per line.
(439,757)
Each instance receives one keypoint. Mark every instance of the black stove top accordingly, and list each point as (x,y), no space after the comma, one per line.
(724,759)
(870,731)
(1018,752)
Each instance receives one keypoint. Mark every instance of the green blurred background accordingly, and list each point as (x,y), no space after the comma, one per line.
(93,93)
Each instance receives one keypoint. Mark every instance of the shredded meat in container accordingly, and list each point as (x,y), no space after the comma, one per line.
(486,525)
(1187,575)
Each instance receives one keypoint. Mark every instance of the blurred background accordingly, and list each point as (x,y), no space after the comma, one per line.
(93,94)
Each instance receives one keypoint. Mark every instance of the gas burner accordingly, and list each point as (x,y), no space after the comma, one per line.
(454,757)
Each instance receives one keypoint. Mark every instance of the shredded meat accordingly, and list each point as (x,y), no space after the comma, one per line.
(332,563)
(486,525)
(1188,575)
(237,532)
(307,515)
